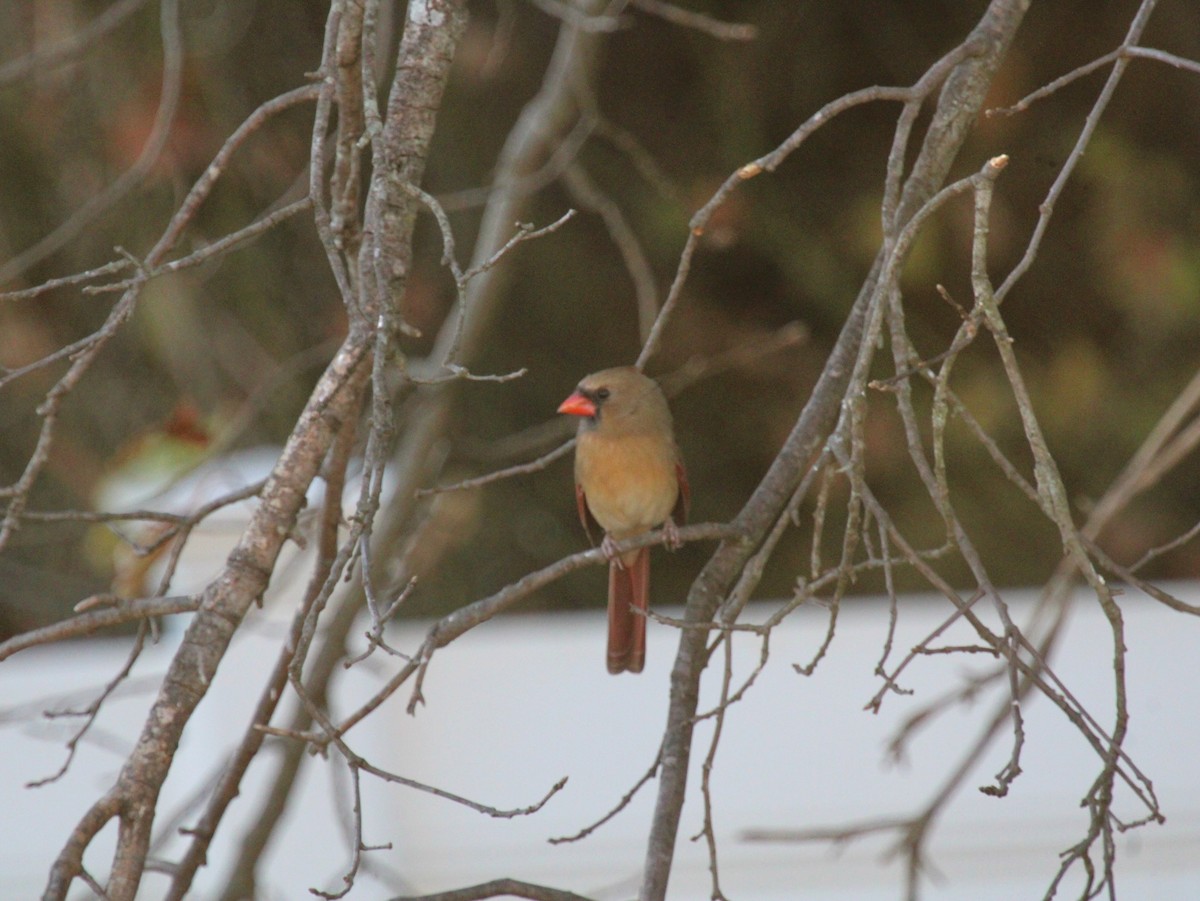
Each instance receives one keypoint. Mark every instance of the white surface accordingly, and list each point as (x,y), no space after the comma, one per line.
(521,702)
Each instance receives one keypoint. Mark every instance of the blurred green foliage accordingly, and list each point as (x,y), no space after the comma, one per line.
(1107,323)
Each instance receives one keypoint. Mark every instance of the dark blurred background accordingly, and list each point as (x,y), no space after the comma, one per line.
(1107,323)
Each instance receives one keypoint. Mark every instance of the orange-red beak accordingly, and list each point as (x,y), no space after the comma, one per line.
(577,405)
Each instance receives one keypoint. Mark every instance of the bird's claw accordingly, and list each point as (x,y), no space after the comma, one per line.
(671,535)
(608,548)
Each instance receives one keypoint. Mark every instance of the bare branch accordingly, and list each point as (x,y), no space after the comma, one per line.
(624,802)
(95,620)
(581,20)
(90,712)
(519,470)
(220,247)
(68,281)
(669,12)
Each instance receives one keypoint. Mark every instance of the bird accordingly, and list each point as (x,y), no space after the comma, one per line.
(629,479)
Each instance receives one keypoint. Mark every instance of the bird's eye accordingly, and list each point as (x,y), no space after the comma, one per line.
(602,394)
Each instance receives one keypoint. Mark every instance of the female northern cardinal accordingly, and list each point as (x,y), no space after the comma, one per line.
(629,478)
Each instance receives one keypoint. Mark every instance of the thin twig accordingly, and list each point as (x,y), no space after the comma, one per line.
(676,15)
(92,621)
(621,804)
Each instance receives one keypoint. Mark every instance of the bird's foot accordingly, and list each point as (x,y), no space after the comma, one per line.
(608,547)
(671,535)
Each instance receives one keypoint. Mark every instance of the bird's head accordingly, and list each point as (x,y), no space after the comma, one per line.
(620,398)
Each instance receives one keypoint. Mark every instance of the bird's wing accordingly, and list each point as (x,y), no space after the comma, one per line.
(585,515)
(684,503)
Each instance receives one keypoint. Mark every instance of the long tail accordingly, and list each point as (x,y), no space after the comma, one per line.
(628,587)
